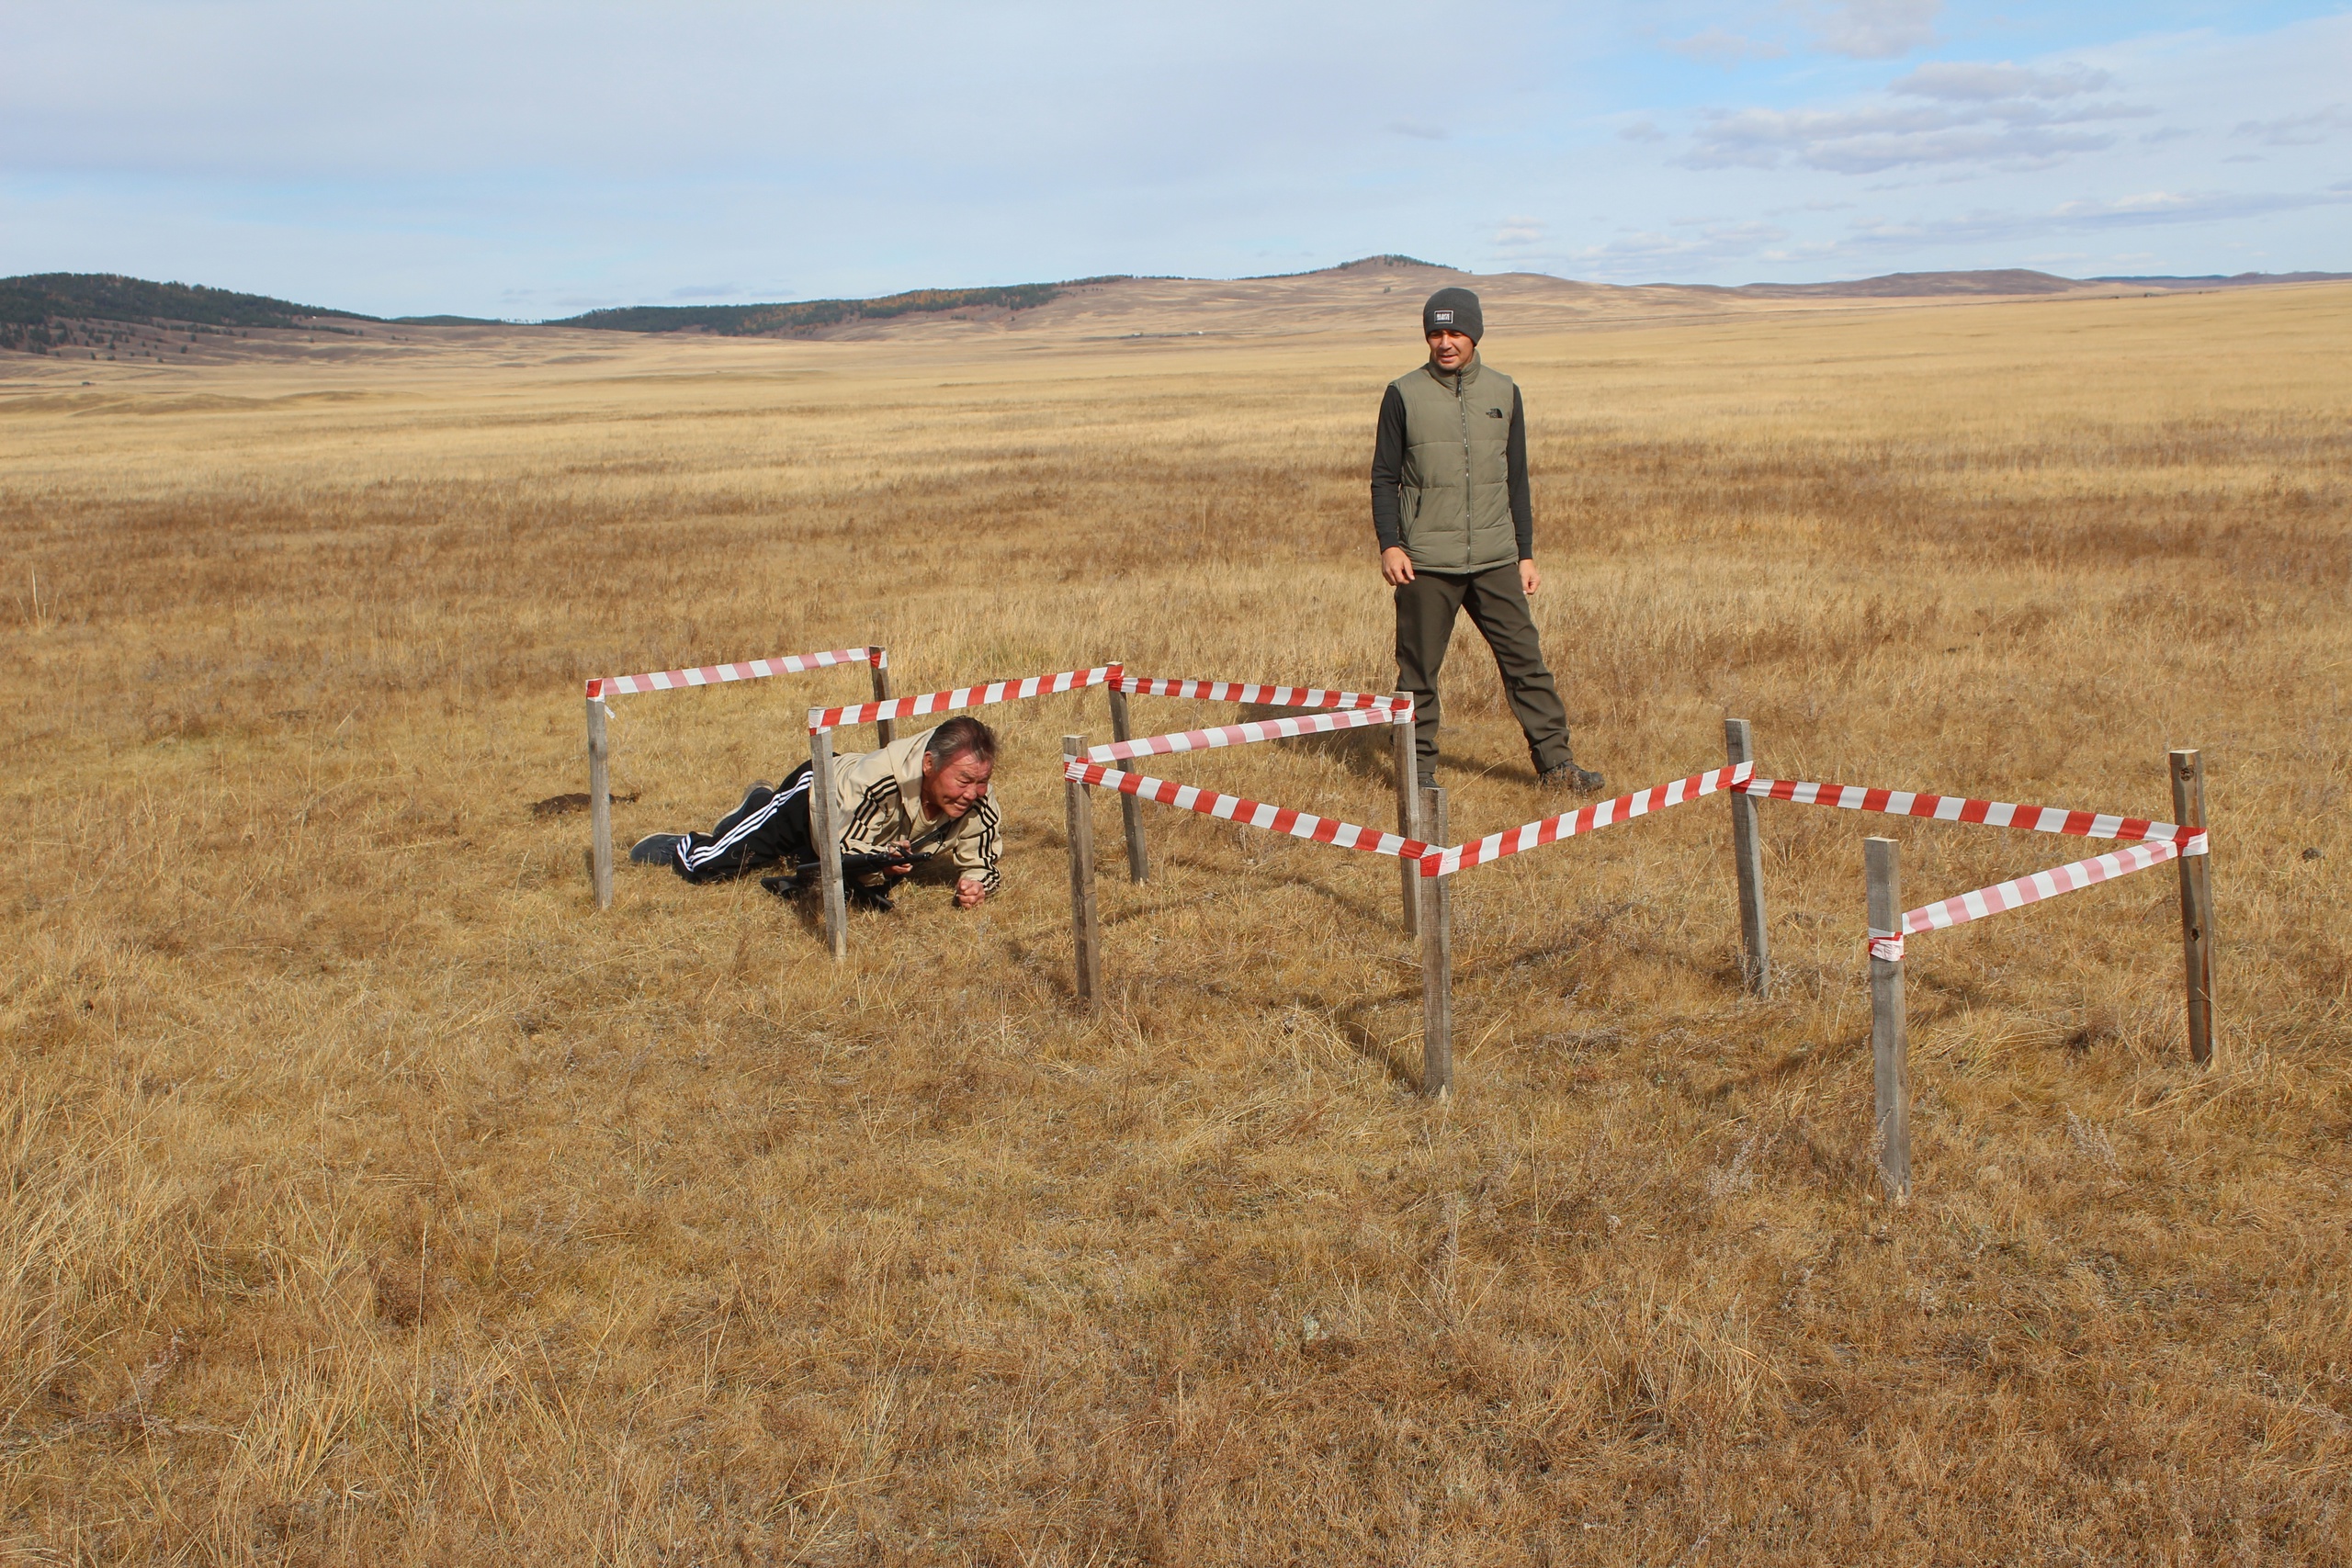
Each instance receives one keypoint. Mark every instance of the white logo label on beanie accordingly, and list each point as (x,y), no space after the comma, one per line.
(1446,316)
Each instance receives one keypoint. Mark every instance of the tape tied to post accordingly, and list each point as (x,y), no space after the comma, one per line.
(1887,946)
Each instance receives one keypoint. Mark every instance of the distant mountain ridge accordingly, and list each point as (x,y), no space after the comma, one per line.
(2010,281)
(107,314)
(808,315)
(110,297)
(813,315)
(43,311)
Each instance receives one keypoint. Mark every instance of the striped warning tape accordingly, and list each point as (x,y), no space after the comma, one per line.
(1243,734)
(962,698)
(1249,813)
(1961,808)
(1551,830)
(2031,889)
(2149,843)
(1235,692)
(752,669)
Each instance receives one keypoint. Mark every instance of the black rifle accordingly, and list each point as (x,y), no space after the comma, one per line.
(854,866)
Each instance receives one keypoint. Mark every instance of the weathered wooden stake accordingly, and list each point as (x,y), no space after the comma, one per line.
(829,843)
(600,804)
(1085,928)
(1748,855)
(2196,905)
(885,729)
(1437,959)
(1408,814)
(1130,808)
(1890,1044)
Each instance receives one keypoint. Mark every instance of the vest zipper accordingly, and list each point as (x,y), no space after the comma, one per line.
(1469,489)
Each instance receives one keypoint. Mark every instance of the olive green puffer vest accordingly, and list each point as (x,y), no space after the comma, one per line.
(1453,496)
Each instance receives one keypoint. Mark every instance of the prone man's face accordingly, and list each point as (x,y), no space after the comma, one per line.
(1449,350)
(954,787)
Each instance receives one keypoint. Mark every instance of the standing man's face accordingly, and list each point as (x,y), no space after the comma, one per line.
(1449,350)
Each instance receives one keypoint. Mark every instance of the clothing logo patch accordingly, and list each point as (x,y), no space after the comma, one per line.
(1442,318)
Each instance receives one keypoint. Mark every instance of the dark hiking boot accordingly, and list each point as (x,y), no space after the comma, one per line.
(656,849)
(1569,779)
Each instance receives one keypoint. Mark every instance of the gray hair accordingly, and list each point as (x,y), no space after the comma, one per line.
(958,736)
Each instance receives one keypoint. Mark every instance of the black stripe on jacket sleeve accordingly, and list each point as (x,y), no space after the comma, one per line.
(1388,470)
(1523,502)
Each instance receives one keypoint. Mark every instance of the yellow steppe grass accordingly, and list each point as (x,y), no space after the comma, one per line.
(374,1200)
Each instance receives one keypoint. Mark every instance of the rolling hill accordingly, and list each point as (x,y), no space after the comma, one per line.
(105,315)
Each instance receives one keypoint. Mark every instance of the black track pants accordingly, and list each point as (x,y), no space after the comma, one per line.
(1426,608)
(770,827)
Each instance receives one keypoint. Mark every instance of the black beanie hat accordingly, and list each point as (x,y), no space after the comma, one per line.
(1454,311)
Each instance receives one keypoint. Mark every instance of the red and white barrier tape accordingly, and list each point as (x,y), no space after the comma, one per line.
(1887,946)
(1625,809)
(962,698)
(1249,813)
(754,670)
(1243,734)
(2043,885)
(1961,808)
(1233,692)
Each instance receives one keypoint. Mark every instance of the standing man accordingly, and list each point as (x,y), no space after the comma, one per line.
(1457,531)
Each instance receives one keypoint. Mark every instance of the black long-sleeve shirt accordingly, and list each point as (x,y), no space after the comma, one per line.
(1388,468)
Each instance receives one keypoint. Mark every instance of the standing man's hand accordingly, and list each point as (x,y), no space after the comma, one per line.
(1530,580)
(970,892)
(1397,566)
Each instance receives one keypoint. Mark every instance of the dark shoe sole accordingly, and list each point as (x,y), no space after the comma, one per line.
(656,849)
(1574,779)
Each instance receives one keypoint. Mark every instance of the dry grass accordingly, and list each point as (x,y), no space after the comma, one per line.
(371,1200)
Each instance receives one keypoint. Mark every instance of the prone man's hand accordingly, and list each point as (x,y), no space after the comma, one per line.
(970,892)
(902,858)
(1396,567)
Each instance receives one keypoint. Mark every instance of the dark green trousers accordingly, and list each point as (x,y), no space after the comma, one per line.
(1426,608)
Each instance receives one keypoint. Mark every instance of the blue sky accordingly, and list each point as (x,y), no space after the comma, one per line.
(534,160)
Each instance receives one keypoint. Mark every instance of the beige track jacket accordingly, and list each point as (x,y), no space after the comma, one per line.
(877,802)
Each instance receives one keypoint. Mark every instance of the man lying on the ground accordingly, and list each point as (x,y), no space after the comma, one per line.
(897,807)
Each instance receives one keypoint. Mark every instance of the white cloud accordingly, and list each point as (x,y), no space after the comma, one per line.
(2145,208)
(1514,233)
(1966,81)
(1641,130)
(1725,48)
(1648,248)
(2300,130)
(2012,133)
(1876,29)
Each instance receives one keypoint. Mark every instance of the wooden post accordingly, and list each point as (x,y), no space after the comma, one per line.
(2196,905)
(1409,812)
(1086,929)
(1747,856)
(1130,808)
(1436,960)
(829,841)
(886,730)
(600,804)
(1890,1044)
